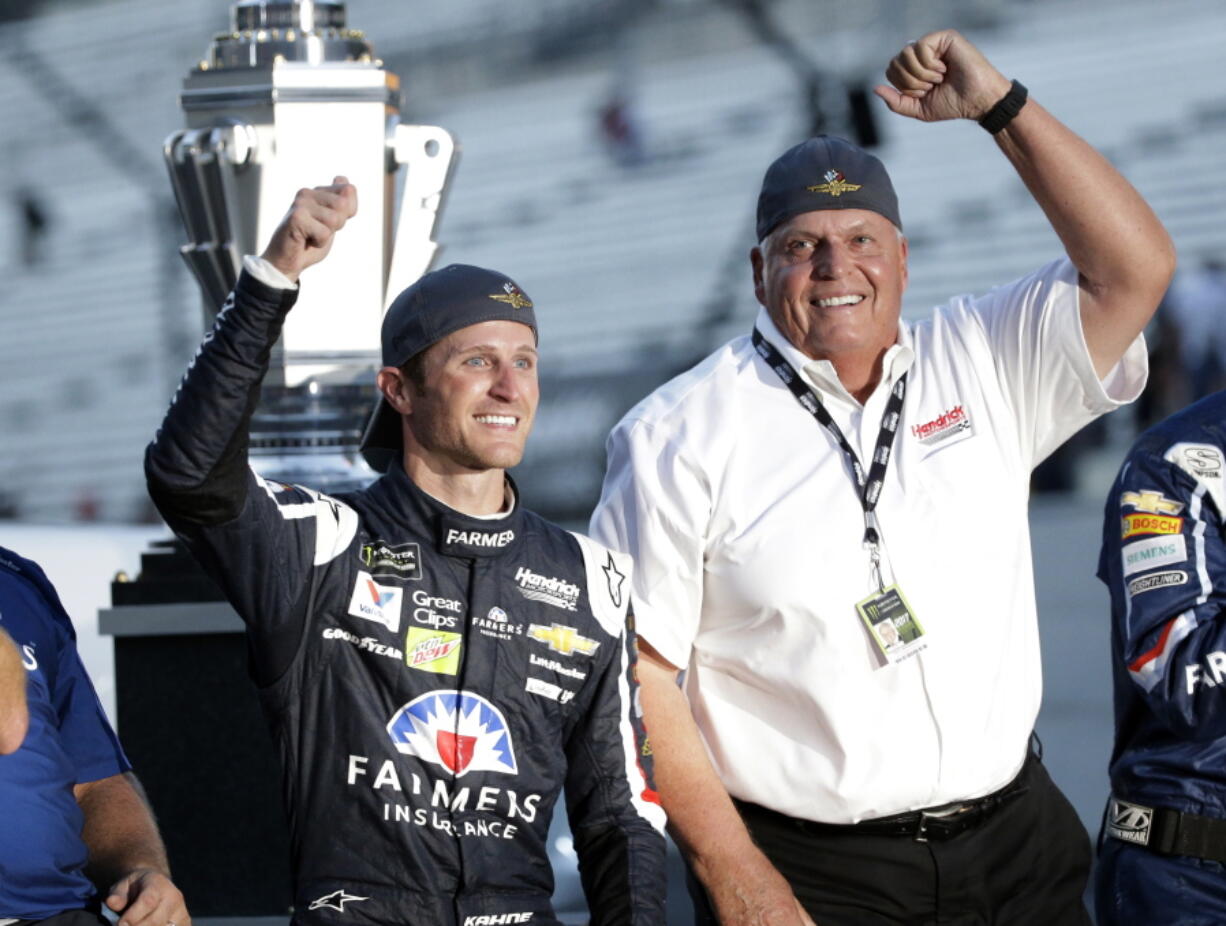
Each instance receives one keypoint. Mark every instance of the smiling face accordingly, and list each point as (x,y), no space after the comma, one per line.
(474,406)
(832,282)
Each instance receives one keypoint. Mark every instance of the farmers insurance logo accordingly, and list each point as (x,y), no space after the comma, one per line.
(374,602)
(459,730)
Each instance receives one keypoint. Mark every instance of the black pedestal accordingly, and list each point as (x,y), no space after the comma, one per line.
(191,724)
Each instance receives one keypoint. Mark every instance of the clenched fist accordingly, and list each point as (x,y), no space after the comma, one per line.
(304,236)
(942,76)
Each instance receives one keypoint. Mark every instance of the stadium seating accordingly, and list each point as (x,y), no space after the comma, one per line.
(635,270)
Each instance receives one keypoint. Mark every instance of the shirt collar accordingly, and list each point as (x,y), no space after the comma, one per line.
(454,533)
(821,375)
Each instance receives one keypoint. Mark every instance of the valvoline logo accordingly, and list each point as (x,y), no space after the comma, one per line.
(375,602)
(459,730)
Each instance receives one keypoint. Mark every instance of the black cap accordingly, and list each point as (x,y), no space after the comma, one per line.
(824,173)
(439,303)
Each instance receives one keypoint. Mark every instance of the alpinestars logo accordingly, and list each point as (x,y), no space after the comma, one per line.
(616,577)
(1129,822)
(459,730)
(335,901)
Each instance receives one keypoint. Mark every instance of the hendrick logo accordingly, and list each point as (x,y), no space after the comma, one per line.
(945,425)
(536,587)
(1129,822)
(402,561)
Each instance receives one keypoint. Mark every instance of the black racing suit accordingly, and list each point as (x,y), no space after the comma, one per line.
(431,680)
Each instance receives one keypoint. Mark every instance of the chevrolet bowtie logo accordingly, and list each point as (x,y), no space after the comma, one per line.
(562,639)
(515,299)
(836,184)
(1151,501)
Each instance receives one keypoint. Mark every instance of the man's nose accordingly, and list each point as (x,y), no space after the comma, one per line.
(506,383)
(829,262)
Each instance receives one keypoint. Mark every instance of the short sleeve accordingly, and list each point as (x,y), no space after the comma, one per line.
(1034,331)
(86,734)
(655,506)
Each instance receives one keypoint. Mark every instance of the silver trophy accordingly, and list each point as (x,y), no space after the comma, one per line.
(292,97)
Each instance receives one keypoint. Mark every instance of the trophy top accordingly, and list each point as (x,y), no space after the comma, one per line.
(264,32)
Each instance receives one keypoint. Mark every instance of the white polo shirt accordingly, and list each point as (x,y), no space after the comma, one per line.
(745,524)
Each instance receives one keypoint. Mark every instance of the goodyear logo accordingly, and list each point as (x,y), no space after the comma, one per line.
(433,650)
(836,184)
(562,639)
(512,296)
(1151,501)
(1135,524)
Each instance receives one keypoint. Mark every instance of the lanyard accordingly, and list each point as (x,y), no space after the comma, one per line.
(869,486)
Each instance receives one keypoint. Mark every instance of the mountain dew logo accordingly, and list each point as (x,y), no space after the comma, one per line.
(459,730)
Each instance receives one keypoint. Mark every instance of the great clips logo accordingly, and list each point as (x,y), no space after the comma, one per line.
(459,730)
(945,425)
(374,602)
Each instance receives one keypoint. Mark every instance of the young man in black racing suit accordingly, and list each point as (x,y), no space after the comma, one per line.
(435,661)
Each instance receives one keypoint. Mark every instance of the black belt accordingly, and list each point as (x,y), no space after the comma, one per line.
(930,824)
(1167,831)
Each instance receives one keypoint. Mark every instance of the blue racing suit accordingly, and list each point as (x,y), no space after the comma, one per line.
(1164,562)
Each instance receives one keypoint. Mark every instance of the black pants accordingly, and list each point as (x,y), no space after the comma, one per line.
(69,918)
(1025,865)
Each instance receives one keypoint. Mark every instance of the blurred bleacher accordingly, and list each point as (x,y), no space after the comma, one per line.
(636,271)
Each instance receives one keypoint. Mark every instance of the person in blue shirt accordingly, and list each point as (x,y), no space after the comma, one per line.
(1162,850)
(73,820)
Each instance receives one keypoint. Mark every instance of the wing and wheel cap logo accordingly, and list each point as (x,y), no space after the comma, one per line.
(513,296)
(836,184)
(458,730)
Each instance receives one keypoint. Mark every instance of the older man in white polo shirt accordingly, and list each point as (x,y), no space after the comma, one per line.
(829,519)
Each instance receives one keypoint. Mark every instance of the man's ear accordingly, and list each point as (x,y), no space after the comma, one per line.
(757,261)
(393,387)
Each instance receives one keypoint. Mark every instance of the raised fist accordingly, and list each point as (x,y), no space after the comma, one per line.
(304,236)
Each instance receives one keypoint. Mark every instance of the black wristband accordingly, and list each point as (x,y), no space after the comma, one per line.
(1003,112)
